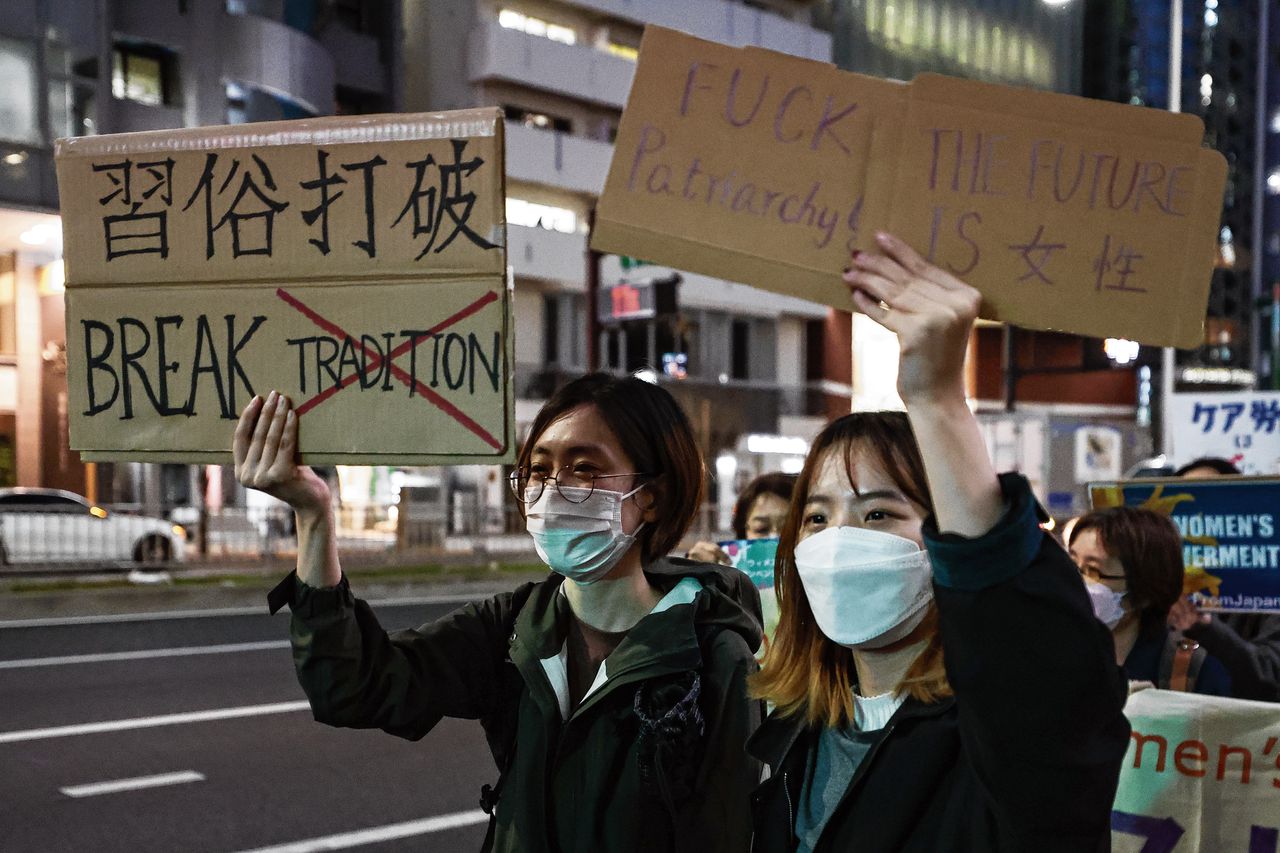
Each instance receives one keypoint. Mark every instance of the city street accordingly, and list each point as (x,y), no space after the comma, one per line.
(190,733)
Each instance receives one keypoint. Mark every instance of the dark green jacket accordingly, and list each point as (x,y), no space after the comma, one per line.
(633,768)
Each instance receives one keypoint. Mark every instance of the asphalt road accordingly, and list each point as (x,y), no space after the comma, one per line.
(205,710)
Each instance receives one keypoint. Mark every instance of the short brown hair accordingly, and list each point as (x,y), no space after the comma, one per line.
(773,483)
(804,672)
(655,436)
(1149,548)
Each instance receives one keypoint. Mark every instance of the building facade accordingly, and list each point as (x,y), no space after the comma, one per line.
(77,67)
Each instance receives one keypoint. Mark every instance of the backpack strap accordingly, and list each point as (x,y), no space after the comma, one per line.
(1180,663)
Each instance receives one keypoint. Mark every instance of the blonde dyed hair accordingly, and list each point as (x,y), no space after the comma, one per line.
(804,673)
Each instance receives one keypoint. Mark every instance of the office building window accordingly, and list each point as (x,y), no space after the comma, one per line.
(513,20)
(625,51)
(19,118)
(143,73)
(532,118)
(8,305)
(740,350)
(533,215)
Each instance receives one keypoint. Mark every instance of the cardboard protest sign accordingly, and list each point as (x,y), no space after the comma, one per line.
(356,264)
(1201,775)
(1242,427)
(1231,546)
(742,163)
(1085,216)
(1059,220)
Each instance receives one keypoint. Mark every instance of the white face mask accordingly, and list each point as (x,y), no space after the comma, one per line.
(867,589)
(1107,603)
(582,541)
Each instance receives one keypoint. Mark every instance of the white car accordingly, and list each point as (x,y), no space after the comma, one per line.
(56,526)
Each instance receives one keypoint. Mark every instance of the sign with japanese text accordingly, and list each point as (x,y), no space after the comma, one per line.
(1230,543)
(1084,216)
(1202,775)
(1241,427)
(357,265)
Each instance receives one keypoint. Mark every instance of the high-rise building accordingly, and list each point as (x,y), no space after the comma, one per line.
(77,67)
(742,361)
(1127,58)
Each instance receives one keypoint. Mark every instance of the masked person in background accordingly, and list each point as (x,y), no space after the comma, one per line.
(1131,560)
(1248,644)
(613,693)
(904,549)
(758,514)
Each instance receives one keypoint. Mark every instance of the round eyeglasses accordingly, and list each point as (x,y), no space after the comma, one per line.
(528,486)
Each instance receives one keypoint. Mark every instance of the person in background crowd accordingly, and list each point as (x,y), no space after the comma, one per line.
(1131,560)
(613,693)
(758,513)
(902,547)
(1207,467)
(1248,644)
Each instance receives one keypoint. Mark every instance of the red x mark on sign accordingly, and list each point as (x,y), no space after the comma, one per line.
(413,383)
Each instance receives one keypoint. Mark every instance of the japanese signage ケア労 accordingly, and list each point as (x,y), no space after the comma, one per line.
(356,264)
(1230,543)
(1241,427)
(1070,214)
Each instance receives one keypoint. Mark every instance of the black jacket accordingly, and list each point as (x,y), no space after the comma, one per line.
(1248,644)
(632,769)
(1027,754)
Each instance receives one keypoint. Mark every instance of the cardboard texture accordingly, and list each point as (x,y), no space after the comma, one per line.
(356,264)
(1070,214)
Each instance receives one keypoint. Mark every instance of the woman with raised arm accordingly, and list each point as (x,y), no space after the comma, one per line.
(938,678)
(613,693)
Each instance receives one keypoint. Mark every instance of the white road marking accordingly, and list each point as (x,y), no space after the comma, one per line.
(22,735)
(135,784)
(375,834)
(256,610)
(144,654)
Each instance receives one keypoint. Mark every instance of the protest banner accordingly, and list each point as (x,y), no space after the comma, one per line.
(1230,545)
(1202,775)
(357,265)
(766,169)
(1242,427)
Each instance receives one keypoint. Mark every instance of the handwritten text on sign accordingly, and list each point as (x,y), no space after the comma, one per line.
(198,278)
(759,167)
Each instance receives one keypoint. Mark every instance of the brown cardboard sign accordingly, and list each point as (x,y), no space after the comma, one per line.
(743,163)
(355,264)
(1060,221)
(763,168)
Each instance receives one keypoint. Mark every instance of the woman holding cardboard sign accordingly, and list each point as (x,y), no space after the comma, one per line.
(613,694)
(903,548)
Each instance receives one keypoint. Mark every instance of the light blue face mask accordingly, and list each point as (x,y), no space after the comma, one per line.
(582,541)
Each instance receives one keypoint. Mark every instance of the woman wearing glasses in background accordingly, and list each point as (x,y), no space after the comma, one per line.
(613,693)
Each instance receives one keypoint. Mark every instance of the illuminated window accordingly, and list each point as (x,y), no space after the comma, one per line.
(513,20)
(624,50)
(141,74)
(533,215)
(532,118)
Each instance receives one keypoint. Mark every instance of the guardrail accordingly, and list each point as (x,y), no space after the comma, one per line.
(39,541)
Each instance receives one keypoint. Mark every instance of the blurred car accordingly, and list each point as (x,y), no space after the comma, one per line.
(57,526)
